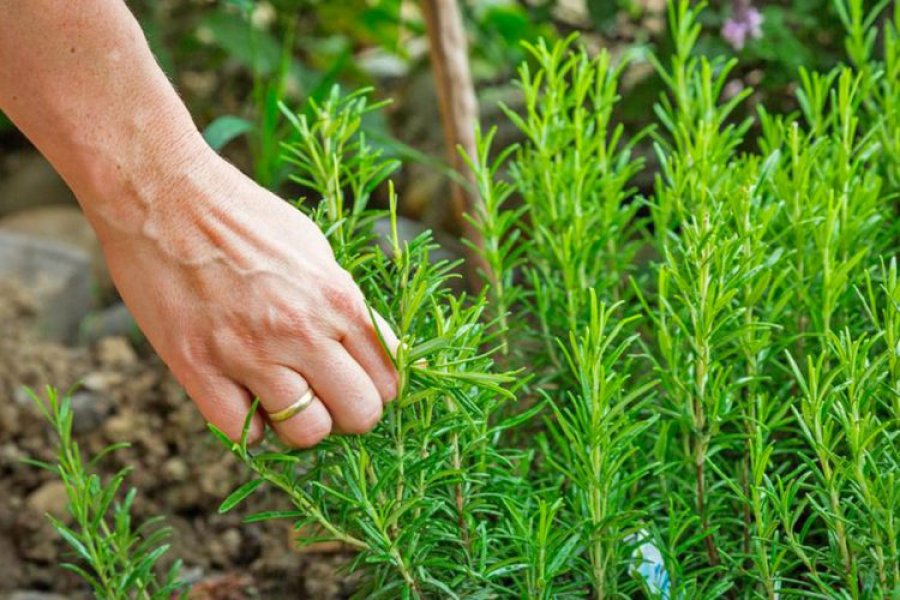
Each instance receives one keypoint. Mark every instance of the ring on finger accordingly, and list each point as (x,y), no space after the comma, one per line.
(301,404)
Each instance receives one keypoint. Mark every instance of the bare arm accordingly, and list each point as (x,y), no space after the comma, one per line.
(237,291)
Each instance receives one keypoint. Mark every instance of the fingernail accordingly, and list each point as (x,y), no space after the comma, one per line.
(421,363)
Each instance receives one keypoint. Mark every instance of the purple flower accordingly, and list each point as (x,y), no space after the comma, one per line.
(745,23)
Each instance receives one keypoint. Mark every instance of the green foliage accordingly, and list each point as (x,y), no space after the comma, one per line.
(709,373)
(5,123)
(263,39)
(113,555)
(273,69)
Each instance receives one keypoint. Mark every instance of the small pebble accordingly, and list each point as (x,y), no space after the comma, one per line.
(176,469)
(115,352)
(51,498)
(89,410)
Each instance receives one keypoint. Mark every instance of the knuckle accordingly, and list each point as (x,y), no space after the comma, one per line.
(366,421)
(237,352)
(297,325)
(279,391)
(287,317)
(343,296)
(190,349)
(311,432)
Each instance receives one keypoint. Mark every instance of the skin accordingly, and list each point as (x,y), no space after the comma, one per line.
(237,291)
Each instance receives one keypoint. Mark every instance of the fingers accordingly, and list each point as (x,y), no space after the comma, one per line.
(344,387)
(225,404)
(366,348)
(350,375)
(280,388)
(387,333)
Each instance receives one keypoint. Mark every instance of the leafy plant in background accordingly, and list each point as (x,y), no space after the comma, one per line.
(773,40)
(273,68)
(263,37)
(692,394)
(5,123)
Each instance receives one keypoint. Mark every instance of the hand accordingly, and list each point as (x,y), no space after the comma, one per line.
(237,291)
(240,295)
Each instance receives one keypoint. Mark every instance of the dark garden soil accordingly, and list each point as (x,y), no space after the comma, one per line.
(127,394)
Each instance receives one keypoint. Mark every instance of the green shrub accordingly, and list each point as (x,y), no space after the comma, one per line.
(710,373)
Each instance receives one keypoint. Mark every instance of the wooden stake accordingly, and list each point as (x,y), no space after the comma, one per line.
(459,116)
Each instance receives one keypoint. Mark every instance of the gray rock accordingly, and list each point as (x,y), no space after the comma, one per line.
(28,180)
(58,223)
(90,409)
(113,321)
(102,381)
(58,275)
(51,498)
(65,224)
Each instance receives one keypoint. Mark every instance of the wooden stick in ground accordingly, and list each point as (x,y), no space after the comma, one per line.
(459,115)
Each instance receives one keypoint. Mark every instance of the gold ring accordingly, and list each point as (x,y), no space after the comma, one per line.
(294,409)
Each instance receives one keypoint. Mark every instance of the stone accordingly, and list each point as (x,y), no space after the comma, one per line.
(90,409)
(57,275)
(322,581)
(232,542)
(426,195)
(120,427)
(191,575)
(215,478)
(50,498)
(102,381)
(176,469)
(113,321)
(199,84)
(115,352)
(22,396)
(68,225)
(28,180)
(10,454)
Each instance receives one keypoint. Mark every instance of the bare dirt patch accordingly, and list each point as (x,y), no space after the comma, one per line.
(127,394)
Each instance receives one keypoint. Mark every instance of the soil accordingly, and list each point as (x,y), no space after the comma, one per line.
(180,471)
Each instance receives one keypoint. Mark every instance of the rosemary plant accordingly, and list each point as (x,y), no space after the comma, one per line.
(692,393)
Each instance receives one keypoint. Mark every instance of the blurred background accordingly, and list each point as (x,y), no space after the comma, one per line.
(233,62)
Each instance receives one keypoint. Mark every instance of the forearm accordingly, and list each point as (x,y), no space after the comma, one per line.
(80,81)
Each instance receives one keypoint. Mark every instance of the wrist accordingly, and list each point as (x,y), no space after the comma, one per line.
(127,187)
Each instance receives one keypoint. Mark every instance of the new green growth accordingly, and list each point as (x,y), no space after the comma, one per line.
(711,369)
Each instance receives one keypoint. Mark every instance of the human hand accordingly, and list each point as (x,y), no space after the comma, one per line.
(241,296)
(237,291)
